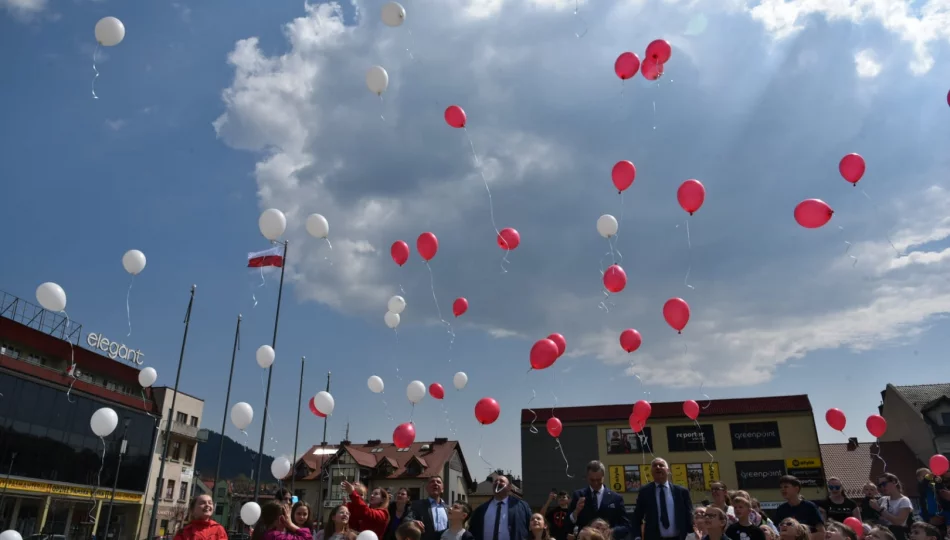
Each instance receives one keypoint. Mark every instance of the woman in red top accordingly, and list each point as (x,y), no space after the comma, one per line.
(368,517)
(201,526)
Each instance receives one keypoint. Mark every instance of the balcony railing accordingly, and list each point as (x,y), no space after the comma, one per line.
(183,428)
(37,318)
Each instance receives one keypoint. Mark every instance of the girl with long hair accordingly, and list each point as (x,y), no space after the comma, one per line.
(302,515)
(791,529)
(722,501)
(895,508)
(276,523)
(538,527)
(368,517)
(716,523)
(397,511)
(338,525)
(200,525)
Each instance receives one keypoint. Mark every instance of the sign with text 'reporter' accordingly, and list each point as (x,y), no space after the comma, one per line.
(690,439)
(750,435)
(760,474)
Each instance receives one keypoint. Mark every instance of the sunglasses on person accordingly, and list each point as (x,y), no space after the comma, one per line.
(834,488)
(883,484)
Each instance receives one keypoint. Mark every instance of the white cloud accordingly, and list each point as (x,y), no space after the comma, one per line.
(24,9)
(866,64)
(117,124)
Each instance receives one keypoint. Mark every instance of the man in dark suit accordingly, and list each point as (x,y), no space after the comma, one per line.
(430,514)
(501,518)
(596,501)
(667,508)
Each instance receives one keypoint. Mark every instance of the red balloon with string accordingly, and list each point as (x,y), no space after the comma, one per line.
(487,410)
(691,409)
(691,195)
(615,279)
(852,168)
(676,313)
(543,354)
(460,306)
(623,174)
(642,410)
(455,116)
(436,390)
(427,245)
(627,65)
(876,425)
(314,410)
(554,427)
(813,213)
(637,424)
(508,239)
(651,69)
(399,252)
(836,419)
(404,435)
(630,340)
(561,343)
(659,51)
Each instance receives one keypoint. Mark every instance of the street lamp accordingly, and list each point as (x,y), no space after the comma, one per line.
(118,465)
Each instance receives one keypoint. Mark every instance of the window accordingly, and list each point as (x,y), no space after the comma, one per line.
(376,450)
(181,418)
(169,489)
(222,492)
(413,468)
(189,451)
(219,509)
(176,451)
(183,492)
(945,418)
(402,450)
(194,421)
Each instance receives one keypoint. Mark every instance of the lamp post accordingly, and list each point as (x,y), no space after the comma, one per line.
(118,465)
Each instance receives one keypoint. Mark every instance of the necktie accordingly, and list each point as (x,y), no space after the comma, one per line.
(497,520)
(595,501)
(664,515)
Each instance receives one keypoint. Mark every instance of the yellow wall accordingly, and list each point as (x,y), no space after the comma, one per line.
(798,437)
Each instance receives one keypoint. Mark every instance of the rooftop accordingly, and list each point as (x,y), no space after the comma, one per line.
(919,395)
(856,464)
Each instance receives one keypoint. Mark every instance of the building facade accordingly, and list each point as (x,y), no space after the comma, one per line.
(746,443)
(56,476)
(919,415)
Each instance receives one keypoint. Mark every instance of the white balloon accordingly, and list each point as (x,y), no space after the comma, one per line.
(396,304)
(110,31)
(51,296)
(250,513)
(318,226)
(272,223)
(241,416)
(367,535)
(416,391)
(323,401)
(104,421)
(377,80)
(607,225)
(133,261)
(460,380)
(265,356)
(375,384)
(147,377)
(280,467)
(10,535)
(393,14)
(391,319)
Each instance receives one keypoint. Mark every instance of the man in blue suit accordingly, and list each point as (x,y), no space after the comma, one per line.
(667,508)
(503,517)
(596,501)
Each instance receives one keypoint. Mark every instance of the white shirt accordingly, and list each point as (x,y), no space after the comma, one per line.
(488,525)
(440,519)
(596,498)
(666,532)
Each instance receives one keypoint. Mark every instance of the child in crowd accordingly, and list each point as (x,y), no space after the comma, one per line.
(743,528)
(458,519)
(408,531)
(538,528)
(924,531)
(276,523)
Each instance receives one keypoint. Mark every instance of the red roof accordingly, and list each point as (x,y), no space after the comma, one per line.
(432,459)
(716,407)
(856,464)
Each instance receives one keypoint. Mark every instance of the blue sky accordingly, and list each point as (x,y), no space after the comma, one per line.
(209,113)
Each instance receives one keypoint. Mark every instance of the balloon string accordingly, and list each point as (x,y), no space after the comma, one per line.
(847,249)
(267,411)
(708,399)
(654,114)
(382,107)
(567,465)
(145,406)
(95,56)
(447,324)
(382,398)
(71,370)
(412,44)
(480,437)
(92,496)
(689,256)
(128,310)
(491,205)
(327,257)
(886,234)
(878,455)
(448,420)
(578,15)
(702,439)
(532,428)
(412,411)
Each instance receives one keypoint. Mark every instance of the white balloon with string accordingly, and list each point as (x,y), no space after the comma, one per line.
(265,356)
(396,304)
(391,319)
(272,224)
(109,32)
(103,422)
(416,391)
(51,296)
(324,403)
(318,226)
(460,380)
(607,225)
(147,377)
(393,14)
(134,262)
(280,467)
(241,416)
(377,80)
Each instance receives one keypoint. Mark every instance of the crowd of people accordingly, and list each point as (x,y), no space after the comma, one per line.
(664,511)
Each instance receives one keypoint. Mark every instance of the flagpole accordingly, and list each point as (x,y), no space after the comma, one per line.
(227,401)
(293,470)
(168,424)
(323,447)
(270,373)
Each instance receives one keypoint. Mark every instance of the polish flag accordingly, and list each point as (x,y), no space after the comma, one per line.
(270,257)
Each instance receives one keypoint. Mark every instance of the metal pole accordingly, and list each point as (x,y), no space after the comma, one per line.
(270,373)
(115,481)
(153,520)
(3,495)
(227,401)
(323,447)
(324,443)
(293,467)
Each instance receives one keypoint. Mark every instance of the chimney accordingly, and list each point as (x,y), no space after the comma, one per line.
(373,442)
(345,442)
(440,440)
(852,444)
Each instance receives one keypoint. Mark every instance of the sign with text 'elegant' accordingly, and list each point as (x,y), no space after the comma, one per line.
(114,350)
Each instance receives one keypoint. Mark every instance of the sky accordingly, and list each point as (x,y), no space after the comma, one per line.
(209,113)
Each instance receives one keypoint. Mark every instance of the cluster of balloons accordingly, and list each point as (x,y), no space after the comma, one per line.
(836,419)
(395,307)
(377,79)
(405,434)
(815,213)
(657,54)
(639,416)
(546,351)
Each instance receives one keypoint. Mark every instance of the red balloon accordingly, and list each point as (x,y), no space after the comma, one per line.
(836,419)
(627,65)
(543,353)
(630,340)
(939,464)
(455,116)
(813,213)
(876,425)
(948,98)
(852,168)
(460,306)
(313,409)
(554,427)
(487,410)
(637,424)
(508,239)
(561,343)
(436,390)
(691,195)
(691,409)
(659,50)
(399,252)
(615,279)
(855,525)
(623,174)
(642,410)
(427,245)
(676,313)
(404,435)
(651,69)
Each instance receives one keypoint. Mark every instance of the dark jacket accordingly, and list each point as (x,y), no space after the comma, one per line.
(519,514)
(422,511)
(648,510)
(611,510)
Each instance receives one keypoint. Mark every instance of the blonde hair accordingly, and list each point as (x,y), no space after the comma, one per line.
(590,533)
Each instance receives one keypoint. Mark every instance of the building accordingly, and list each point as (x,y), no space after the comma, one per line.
(919,415)
(178,477)
(56,476)
(746,443)
(230,496)
(378,464)
(856,464)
